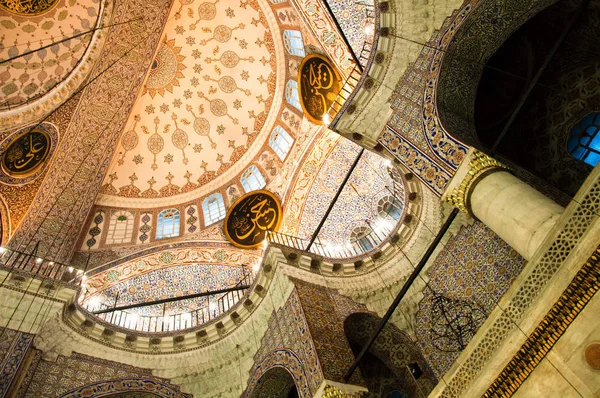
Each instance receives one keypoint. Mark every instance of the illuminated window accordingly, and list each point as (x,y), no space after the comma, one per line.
(213,208)
(584,139)
(281,142)
(168,224)
(121,228)
(361,236)
(252,179)
(291,94)
(293,42)
(388,206)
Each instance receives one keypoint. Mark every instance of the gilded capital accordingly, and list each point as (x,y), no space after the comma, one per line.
(479,164)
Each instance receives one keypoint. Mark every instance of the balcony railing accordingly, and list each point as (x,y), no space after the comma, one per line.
(30,265)
(218,304)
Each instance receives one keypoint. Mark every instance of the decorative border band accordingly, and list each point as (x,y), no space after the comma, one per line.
(572,301)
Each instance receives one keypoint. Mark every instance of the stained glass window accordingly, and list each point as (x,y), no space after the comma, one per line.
(213,208)
(293,42)
(168,224)
(584,139)
(252,179)
(121,228)
(291,94)
(281,142)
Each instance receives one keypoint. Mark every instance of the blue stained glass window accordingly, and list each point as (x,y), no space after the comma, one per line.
(168,224)
(252,179)
(584,139)
(293,42)
(281,142)
(213,208)
(291,94)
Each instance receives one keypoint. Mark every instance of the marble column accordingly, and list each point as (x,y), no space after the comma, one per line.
(488,191)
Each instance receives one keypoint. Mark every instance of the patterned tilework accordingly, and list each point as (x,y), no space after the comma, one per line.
(13,347)
(172,281)
(394,348)
(325,312)
(153,386)
(288,344)
(358,200)
(138,263)
(475,265)
(423,166)
(351,16)
(68,375)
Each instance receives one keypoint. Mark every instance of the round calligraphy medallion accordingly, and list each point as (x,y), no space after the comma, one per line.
(319,84)
(251,217)
(26,153)
(28,8)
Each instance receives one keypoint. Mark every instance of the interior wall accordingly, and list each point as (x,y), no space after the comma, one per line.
(474,265)
(67,376)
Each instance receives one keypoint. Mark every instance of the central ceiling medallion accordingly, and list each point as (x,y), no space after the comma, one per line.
(320,84)
(251,217)
(165,70)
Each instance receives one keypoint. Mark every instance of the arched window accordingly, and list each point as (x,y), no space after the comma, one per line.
(168,224)
(361,236)
(281,142)
(291,94)
(252,179)
(584,139)
(213,208)
(388,206)
(120,229)
(293,42)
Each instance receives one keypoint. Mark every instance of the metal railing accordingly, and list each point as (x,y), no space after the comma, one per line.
(217,305)
(379,232)
(321,248)
(31,265)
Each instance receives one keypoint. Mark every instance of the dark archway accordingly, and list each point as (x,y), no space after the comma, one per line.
(489,66)
(394,365)
(275,383)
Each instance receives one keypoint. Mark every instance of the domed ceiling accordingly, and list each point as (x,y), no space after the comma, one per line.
(208,103)
(27,26)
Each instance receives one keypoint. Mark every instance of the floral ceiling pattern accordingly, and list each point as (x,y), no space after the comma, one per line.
(30,76)
(206,99)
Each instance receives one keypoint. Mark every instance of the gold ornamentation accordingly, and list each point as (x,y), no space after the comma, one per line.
(572,301)
(27,7)
(251,217)
(26,153)
(334,392)
(319,85)
(480,163)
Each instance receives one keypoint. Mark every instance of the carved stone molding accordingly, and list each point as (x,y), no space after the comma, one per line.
(572,301)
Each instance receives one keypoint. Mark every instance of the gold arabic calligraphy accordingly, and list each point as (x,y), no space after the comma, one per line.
(251,218)
(27,7)
(26,153)
(320,85)
(262,219)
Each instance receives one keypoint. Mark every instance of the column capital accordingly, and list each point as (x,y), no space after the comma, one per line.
(476,165)
(333,389)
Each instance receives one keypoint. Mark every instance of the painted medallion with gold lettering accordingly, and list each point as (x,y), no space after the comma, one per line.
(26,153)
(319,85)
(27,7)
(251,217)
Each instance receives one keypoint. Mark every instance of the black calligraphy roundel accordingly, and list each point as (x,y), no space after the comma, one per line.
(251,217)
(26,153)
(319,85)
